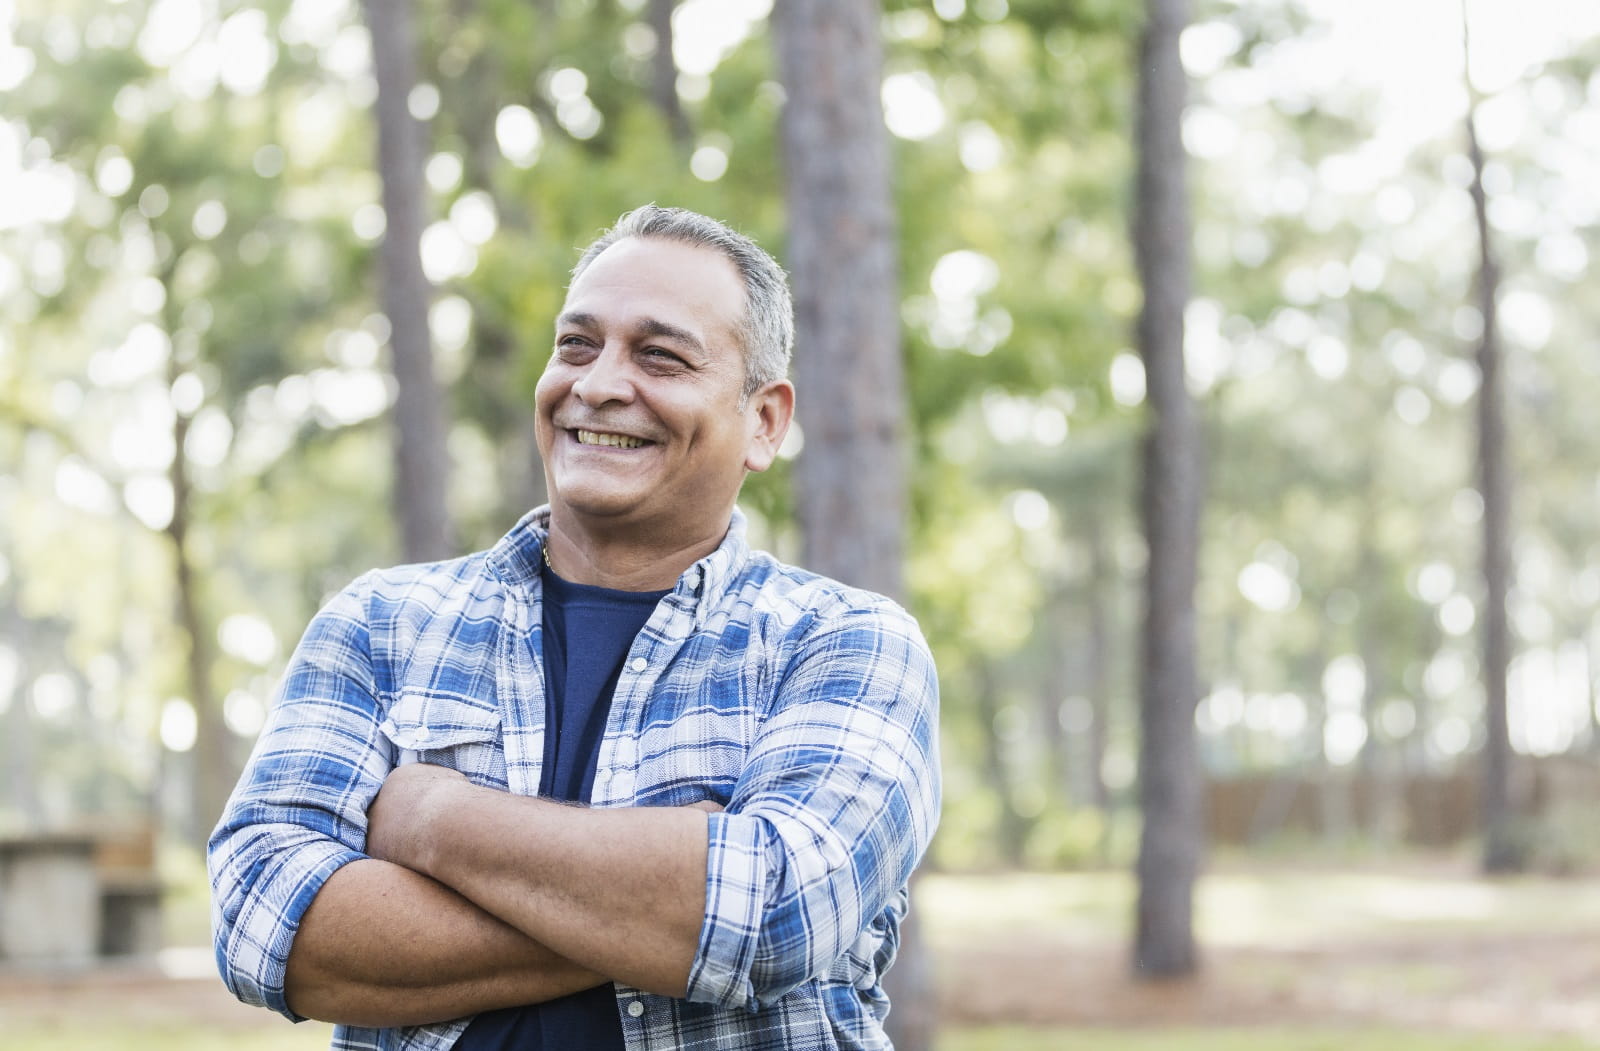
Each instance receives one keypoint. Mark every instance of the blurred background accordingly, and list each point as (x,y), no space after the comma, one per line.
(1210,381)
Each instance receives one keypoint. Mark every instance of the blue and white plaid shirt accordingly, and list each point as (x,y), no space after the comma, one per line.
(809,710)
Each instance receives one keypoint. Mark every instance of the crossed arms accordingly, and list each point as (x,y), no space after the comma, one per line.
(347,892)
(475,899)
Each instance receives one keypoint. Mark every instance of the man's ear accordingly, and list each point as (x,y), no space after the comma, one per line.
(769,410)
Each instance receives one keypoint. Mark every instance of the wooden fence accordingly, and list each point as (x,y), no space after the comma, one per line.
(1433,810)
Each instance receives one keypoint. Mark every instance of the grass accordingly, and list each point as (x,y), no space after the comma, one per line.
(1278,906)
(105,1036)
(1298,1038)
(1258,908)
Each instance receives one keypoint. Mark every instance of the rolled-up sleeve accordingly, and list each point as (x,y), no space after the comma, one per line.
(299,811)
(834,809)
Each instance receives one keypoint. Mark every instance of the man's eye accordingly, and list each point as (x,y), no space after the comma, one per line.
(661,353)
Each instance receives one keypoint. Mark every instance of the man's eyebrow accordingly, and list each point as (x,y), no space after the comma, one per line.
(646,327)
(576,319)
(653,327)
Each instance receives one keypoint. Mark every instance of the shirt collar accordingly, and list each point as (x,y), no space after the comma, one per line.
(518,554)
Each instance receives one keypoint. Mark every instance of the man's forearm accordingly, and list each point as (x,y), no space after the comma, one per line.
(621,891)
(385,946)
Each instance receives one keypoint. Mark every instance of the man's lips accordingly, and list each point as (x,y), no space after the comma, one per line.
(608,439)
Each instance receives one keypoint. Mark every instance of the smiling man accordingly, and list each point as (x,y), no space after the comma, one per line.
(619,781)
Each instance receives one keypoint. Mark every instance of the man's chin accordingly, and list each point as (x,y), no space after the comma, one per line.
(585,502)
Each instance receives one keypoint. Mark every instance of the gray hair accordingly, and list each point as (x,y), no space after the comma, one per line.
(768,326)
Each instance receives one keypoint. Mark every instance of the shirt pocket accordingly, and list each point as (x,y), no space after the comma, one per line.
(447,730)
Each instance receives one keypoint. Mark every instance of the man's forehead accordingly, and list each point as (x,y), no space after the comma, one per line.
(656,282)
(678,260)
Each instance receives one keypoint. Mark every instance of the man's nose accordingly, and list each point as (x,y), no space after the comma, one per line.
(607,378)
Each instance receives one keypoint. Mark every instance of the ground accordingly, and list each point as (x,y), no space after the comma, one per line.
(1508,983)
(1412,951)
(1430,947)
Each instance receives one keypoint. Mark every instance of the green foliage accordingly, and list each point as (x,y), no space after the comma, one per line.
(220,240)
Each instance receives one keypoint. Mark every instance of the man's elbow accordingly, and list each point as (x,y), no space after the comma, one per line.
(853,949)
(751,979)
(778,972)
(301,990)
(245,949)
(316,990)
(247,989)
(774,987)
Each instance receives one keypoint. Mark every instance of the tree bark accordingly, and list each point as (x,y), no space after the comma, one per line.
(1383,763)
(851,477)
(1013,826)
(421,478)
(1590,663)
(842,254)
(1170,844)
(1501,849)
(214,768)
(1102,616)
(664,73)
(496,348)
(1048,705)
(21,772)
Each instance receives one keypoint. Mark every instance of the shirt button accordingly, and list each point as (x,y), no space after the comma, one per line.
(421,735)
(639,664)
(636,1008)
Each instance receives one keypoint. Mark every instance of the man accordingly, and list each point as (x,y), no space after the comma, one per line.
(754,747)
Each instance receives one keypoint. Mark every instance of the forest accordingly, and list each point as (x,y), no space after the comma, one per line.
(1209,381)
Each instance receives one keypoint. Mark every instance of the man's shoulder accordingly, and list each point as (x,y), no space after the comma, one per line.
(772,587)
(455,584)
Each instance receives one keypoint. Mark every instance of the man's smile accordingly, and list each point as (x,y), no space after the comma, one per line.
(618,441)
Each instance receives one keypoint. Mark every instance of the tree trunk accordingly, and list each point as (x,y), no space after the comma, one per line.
(842,254)
(1383,763)
(1170,844)
(664,72)
(496,348)
(1418,761)
(1590,664)
(214,768)
(1013,827)
(1501,850)
(851,477)
(1049,704)
(21,773)
(1102,615)
(421,478)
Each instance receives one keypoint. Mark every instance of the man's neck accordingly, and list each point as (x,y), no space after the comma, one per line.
(625,561)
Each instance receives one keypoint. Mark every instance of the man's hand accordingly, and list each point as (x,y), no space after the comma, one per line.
(398,819)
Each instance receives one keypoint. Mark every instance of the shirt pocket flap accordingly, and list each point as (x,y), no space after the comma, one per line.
(419,721)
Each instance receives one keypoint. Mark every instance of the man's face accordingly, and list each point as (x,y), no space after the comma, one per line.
(639,415)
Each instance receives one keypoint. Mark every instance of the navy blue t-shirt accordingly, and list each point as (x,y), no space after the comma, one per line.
(587,634)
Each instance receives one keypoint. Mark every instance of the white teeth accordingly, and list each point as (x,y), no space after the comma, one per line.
(620,441)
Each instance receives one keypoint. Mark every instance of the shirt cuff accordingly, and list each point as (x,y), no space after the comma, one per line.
(255,956)
(735,892)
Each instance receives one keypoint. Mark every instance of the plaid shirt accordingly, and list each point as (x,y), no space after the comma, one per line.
(807,709)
